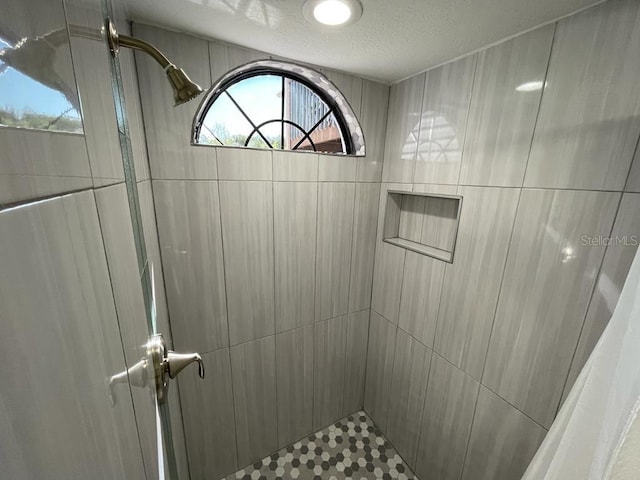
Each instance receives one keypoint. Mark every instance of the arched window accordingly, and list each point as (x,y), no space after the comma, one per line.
(280,105)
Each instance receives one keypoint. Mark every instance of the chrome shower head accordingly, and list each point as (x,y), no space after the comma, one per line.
(184,89)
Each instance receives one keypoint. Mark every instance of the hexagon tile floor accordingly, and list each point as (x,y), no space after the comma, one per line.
(351,449)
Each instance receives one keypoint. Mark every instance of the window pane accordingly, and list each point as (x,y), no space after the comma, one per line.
(292,136)
(224,124)
(303,106)
(261,99)
(258,141)
(327,137)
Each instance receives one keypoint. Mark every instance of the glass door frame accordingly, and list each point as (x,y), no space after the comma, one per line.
(167,463)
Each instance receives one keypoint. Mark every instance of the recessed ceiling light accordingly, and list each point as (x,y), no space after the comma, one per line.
(531,86)
(332,13)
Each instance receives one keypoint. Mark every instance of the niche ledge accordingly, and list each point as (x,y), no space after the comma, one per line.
(424,223)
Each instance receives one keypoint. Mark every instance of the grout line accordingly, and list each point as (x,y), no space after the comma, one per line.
(315,302)
(515,408)
(419,134)
(352,246)
(313,372)
(344,321)
(474,417)
(468,442)
(442,357)
(434,351)
(535,123)
(411,335)
(588,307)
(75,62)
(393,368)
(226,301)
(282,332)
(395,327)
(273,259)
(404,263)
(424,406)
(87,177)
(504,269)
(366,360)
(636,155)
(445,269)
(373,276)
(391,322)
(411,185)
(466,122)
(359,117)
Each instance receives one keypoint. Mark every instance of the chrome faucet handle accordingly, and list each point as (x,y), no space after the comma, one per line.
(155,369)
(168,364)
(137,375)
(176,362)
(121,377)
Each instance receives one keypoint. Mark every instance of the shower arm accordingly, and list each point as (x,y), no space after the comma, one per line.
(184,89)
(136,44)
(117,40)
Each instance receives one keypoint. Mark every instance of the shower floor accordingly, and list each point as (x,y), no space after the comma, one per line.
(352,448)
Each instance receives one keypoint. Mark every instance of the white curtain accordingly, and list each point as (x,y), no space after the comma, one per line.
(596,435)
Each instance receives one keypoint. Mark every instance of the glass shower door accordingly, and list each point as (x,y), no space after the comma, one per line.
(159,364)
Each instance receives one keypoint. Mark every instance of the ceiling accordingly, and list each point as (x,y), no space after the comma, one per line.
(393,40)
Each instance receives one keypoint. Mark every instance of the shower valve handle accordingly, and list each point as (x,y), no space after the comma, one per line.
(176,362)
(168,364)
(156,368)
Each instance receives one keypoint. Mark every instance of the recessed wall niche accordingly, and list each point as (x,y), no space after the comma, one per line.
(424,223)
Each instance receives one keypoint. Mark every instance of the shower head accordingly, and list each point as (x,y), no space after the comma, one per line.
(184,89)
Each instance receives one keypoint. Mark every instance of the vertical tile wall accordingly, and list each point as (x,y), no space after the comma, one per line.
(269,260)
(468,362)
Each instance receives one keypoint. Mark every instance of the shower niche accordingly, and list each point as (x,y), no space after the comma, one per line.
(424,223)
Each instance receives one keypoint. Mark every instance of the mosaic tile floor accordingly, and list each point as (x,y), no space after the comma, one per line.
(351,449)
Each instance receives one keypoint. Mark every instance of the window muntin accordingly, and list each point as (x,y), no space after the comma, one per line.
(269,104)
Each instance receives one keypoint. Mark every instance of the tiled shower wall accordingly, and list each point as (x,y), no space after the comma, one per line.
(468,362)
(268,260)
(70,288)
